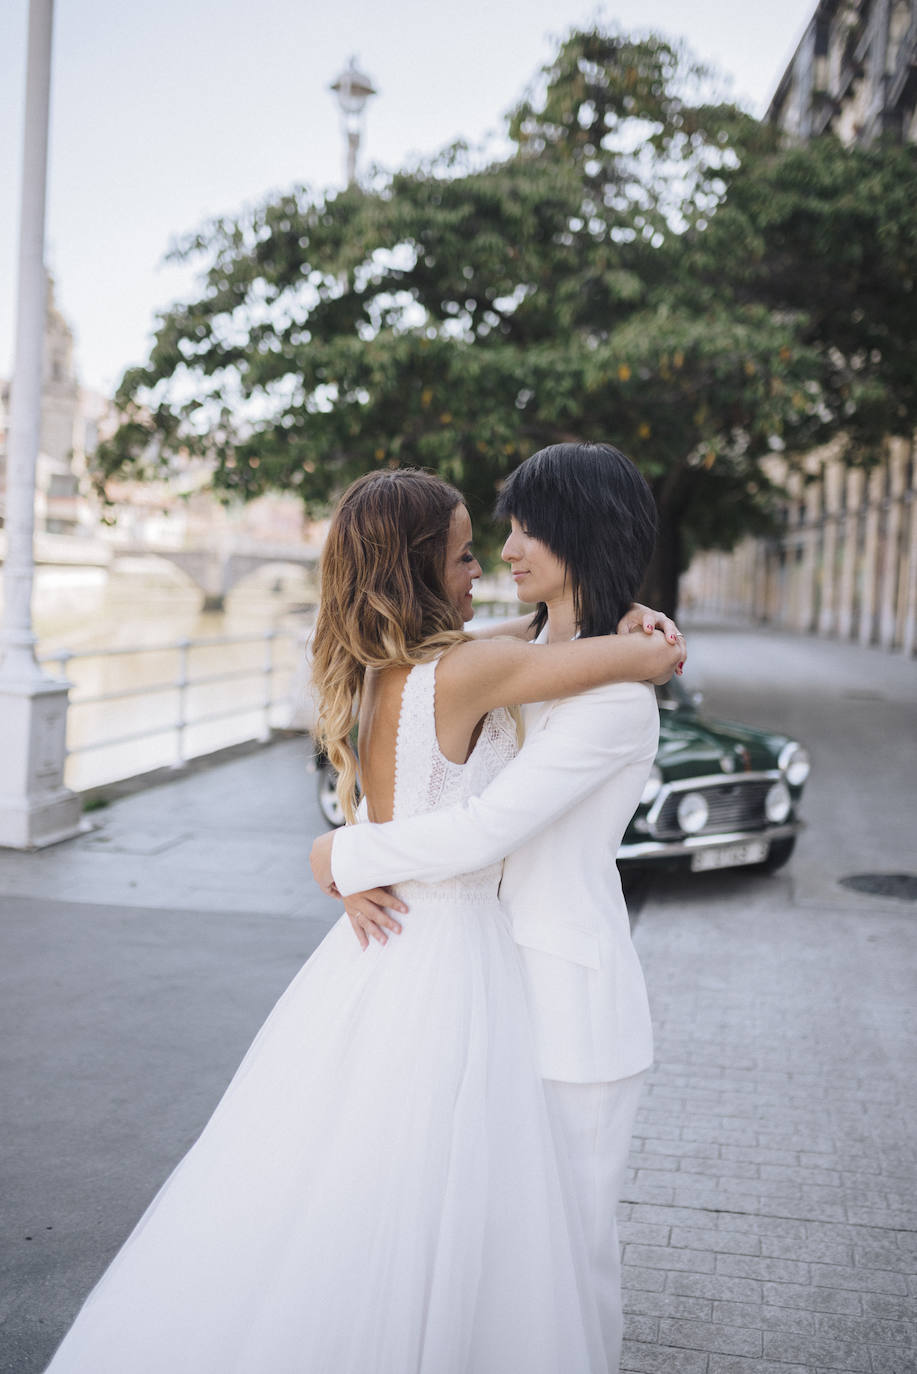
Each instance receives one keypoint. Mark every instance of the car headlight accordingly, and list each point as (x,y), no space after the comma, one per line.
(794,763)
(777,803)
(653,784)
(693,812)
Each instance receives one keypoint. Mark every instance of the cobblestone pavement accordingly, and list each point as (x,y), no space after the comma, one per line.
(770,1218)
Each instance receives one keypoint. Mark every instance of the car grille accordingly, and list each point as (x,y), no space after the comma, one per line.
(734,805)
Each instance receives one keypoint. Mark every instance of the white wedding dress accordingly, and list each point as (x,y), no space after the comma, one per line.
(379,1191)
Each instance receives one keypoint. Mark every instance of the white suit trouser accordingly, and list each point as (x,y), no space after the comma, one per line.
(597,1120)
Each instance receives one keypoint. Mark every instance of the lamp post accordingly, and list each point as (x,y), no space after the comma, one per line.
(353,88)
(35,807)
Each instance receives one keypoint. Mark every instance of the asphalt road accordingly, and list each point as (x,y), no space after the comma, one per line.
(769,1218)
(856,711)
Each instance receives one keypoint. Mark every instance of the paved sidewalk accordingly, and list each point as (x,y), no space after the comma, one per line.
(771,1215)
(136,965)
(230,837)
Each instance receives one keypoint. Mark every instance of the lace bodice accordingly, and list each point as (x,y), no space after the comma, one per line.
(427,781)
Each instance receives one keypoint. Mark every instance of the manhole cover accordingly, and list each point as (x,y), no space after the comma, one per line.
(903,885)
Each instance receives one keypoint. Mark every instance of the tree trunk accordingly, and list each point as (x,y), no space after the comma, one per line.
(660,585)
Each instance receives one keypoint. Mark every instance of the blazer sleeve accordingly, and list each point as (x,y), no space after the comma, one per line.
(583,742)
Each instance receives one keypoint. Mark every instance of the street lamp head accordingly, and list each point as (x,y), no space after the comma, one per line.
(353,88)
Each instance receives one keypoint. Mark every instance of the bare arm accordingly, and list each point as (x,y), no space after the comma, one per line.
(476,677)
(638,617)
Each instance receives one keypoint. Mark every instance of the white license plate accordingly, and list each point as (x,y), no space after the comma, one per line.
(729,855)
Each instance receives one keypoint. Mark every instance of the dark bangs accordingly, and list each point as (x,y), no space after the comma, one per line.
(595,512)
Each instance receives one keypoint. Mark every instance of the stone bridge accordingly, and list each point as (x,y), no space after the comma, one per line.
(216,570)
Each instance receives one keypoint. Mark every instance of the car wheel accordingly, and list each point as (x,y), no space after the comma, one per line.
(780,853)
(328,802)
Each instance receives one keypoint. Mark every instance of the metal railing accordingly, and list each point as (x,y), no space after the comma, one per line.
(181,684)
(186,681)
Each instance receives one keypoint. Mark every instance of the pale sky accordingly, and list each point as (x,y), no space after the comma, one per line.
(166,113)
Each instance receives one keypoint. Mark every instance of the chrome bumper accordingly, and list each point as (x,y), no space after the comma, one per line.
(675,849)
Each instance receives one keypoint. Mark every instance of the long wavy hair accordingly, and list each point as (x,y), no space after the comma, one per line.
(383,599)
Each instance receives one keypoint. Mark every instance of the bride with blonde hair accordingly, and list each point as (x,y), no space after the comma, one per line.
(379,1190)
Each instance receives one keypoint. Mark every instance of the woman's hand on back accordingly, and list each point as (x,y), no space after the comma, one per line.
(369,913)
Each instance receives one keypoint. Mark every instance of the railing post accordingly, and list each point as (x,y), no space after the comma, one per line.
(269,637)
(62,660)
(184,648)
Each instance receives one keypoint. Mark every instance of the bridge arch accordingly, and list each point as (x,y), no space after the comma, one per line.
(243,570)
(217,572)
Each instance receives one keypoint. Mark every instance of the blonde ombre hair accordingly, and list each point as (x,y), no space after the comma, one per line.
(383,600)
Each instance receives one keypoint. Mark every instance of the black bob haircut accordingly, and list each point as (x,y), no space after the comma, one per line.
(595,512)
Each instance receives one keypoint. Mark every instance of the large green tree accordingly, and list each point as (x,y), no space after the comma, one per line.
(614,277)
(825,236)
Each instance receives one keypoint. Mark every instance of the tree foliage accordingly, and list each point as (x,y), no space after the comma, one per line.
(647,266)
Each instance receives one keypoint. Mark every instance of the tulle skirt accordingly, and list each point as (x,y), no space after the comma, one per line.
(378,1191)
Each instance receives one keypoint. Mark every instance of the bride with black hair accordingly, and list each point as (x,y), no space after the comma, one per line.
(379,1190)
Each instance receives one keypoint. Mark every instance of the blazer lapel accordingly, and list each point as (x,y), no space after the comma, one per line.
(535,713)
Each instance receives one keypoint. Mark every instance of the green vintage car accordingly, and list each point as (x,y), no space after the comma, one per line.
(720,795)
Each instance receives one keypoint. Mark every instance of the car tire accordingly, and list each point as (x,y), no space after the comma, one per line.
(780,853)
(328,801)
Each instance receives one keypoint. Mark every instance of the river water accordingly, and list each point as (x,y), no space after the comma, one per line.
(146,602)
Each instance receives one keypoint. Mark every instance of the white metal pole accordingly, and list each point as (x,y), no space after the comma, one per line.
(353,148)
(17,641)
(35,806)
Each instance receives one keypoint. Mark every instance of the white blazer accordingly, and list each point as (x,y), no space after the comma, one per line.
(557,813)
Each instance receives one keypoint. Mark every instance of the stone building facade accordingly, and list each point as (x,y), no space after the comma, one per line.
(845,565)
(846,562)
(853,74)
(69,419)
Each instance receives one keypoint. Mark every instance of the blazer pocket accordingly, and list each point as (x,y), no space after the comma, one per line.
(576,944)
